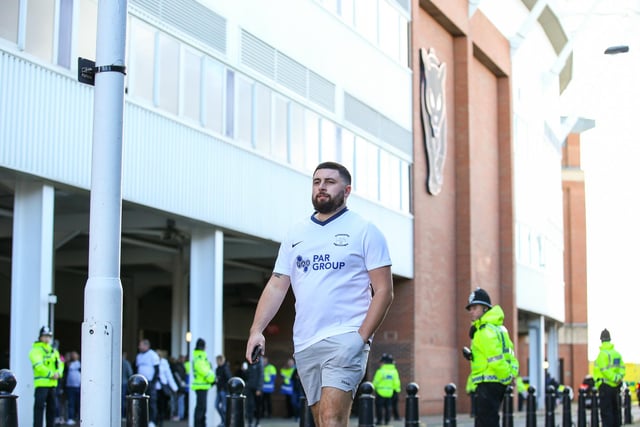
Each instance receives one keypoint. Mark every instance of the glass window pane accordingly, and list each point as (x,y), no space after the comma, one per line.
(191,78)
(243,111)
(141,60)
(262,111)
(328,150)
(347,140)
(366,19)
(346,11)
(65,25)
(280,120)
(404,42)
(213,95)
(230,111)
(405,186)
(9,20)
(389,40)
(390,181)
(312,140)
(87,24)
(296,134)
(39,37)
(168,71)
(366,175)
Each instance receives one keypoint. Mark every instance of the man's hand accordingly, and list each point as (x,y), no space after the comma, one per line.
(255,339)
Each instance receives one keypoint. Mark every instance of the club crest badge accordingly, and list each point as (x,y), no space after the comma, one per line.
(433,113)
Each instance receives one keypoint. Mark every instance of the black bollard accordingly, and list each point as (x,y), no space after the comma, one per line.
(531,407)
(550,407)
(411,411)
(566,407)
(595,410)
(366,405)
(507,407)
(137,402)
(235,403)
(306,417)
(450,405)
(8,401)
(582,408)
(628,419)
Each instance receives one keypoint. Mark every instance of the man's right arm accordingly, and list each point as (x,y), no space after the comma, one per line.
(268,305)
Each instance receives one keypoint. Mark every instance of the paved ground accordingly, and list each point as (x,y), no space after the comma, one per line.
(462,420)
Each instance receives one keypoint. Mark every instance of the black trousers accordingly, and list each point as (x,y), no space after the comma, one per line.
(609,405)
(44,397)
(383,409)
(488,401)
(200,413)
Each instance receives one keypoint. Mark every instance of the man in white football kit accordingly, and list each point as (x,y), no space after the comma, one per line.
(339,268)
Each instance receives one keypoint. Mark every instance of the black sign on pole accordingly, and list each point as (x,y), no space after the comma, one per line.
(86,71)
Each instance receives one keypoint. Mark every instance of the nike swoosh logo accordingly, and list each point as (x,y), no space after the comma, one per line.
(296,244)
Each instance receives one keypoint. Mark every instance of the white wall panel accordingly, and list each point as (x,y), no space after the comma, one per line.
(166,165)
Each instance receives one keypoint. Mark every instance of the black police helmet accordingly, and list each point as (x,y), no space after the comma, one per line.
(605,335)
(200,344)
(45,331)
(479,296)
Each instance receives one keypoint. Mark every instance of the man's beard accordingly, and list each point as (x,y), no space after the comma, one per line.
(329,205)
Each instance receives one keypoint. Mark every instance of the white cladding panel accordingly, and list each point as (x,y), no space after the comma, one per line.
(304,30)
(166,165)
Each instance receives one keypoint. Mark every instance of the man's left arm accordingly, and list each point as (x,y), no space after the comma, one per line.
(382,285)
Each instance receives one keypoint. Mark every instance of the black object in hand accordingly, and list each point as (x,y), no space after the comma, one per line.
(255,354)
(467,353)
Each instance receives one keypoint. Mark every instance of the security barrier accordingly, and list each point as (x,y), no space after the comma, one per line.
(8,401)
(137,402)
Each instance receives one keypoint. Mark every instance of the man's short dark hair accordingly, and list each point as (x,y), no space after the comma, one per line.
(344,172)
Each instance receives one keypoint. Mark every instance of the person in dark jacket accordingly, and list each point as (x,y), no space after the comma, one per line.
(253,387)
(223,374)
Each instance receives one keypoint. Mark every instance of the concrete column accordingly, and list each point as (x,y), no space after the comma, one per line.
(536,358)
(31,282)
(179,308)
(205,305)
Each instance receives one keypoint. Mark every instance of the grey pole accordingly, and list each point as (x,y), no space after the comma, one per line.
(102,325)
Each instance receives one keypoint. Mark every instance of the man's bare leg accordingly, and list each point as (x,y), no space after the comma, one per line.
(333,409)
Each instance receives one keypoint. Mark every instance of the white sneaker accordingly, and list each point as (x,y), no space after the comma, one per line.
(71,422)
(152,424)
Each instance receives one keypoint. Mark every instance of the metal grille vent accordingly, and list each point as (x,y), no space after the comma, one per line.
(375,123)
(291,74)
(258,55)
(287,72)
(322,91)
(191,18)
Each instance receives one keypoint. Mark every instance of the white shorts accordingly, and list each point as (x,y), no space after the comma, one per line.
(339,362)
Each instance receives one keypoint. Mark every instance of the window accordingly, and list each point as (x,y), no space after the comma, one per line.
(347,141)
(328,152)
(390,180)
(366,19)
(243,110)
(297,140)
(9,20)
(366,175)
(280,128)
(191,85)
(345,10)
(213,95)
(87,24)
(142,54)
(262,117)
(168,72)
(39,37)
(312,141)
(389,28)
(64,33)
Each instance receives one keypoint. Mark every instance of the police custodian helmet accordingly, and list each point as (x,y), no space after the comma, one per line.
(479,296)
(45,331)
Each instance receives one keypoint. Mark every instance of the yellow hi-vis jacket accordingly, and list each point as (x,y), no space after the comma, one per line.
(608,367)
(203,376)
(45,364)
(493,357)
(386,380)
